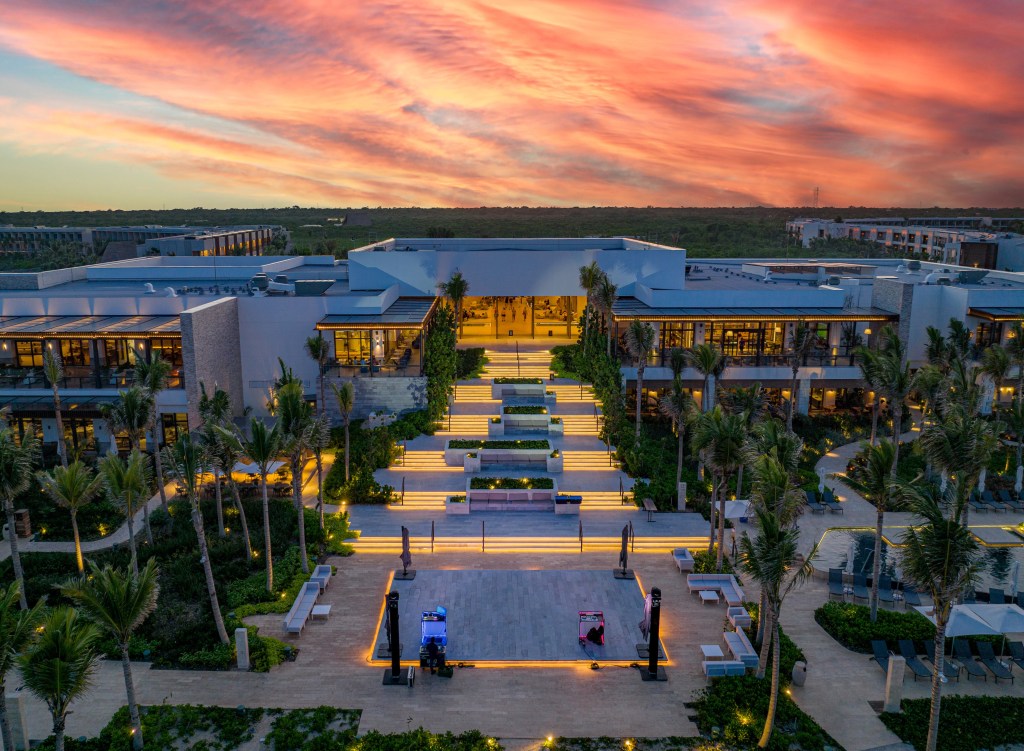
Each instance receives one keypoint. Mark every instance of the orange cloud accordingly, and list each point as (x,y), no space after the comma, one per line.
(481,102)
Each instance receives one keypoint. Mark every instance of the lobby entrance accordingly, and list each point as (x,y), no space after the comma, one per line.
(523,317)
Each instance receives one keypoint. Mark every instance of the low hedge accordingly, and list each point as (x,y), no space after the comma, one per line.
(966,723)
(470,444)
(851,625)
(469,363)
(518,380)
(511,483)
(525,409)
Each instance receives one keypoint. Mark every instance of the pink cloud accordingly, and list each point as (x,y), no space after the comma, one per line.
(543,101)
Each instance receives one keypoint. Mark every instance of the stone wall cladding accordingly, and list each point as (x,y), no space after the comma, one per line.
(380,395)
(211,353)
(895,297)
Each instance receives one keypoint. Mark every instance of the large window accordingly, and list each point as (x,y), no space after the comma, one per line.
(29,354)
(676,334)
(352,345)
(119,353)
(175,425)
(76,352)
(167,348)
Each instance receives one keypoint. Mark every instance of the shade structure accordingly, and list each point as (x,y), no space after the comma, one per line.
(737,509)
(963,621)
(1006,619)
(243,468)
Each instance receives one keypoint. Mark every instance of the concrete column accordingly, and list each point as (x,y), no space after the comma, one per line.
(894,684)
(242,648)
(681,502)
(803,396)
(698,334)
(16,718)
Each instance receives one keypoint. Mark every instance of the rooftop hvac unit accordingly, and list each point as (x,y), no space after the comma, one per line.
(833,281)
(914,265)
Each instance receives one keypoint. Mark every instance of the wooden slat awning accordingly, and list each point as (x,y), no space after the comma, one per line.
(70,327)
(404,313)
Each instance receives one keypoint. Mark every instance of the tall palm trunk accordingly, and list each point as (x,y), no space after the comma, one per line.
(266,533)
(58,732)
(62,448)
(346,449)
(679,458)
(876,565)
(711,524)
(5,726)
(12,538)
(159,473)
(792,400)
(145,521)
(762,608)
(301,511)
(773,703)
(78,540)
(639,400)
(220,504)
(874,420)
(897,420)
(211,586)
(241,518)
(933,717)
(766,640)
(320,485)
(133,707)
(721,523)
(131,541)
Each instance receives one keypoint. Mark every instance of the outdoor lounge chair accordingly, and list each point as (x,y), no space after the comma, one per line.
(860,587)
(962,652)
(881,654)
(976,503)
(996,596)
(812,501)
(990,499)
(911,597)
(1017,653)
(830,500)
(885,590)
(988,658)
(835,583)
(909,653)
(949,669)
(1007,498)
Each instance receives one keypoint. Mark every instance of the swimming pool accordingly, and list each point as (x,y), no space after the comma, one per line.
(836,546)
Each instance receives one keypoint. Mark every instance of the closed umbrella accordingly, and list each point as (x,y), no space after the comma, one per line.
(851,553)
(624,551)
(981,480)
(406,554)
(737,509)
(821,479)
(1014,578)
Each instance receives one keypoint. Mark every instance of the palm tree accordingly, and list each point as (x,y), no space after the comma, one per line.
(995,365)
(118,602)
(71,487)
(320,352)
(53,369)
(17,628)
(639,341)
(753,404)
(346,397)
(59,666)
(959,339)
(132,413)
(263,448)
(677,362)
(127,483)
(1013,416)
(225,453)
(867,361)
(590,277)
(297,428)
(678,405)
(15,478)
(605,297)
(456,289)
(941,557)
(772,561)
(930,383)
(707,360)
(1015,349)
(804,340)
(874,483)
(937,350)
(213,411)
(187,462)
(152,375)
(319,439)
(895,382)
(720,437)
(770,438)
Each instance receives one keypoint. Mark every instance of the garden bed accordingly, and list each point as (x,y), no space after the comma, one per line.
(851,625)
(455,451)
(966,723)
(514,387)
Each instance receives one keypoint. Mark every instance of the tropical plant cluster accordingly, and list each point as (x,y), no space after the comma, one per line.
(967,723)
(510,380)
(470,362)
(511,483)
(851,625)
(464,443)
(525,409)
(440,362)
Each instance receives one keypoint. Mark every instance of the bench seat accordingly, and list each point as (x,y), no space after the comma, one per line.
(301,609)
(683,559)
(722,668)
(724,583)
(741,648)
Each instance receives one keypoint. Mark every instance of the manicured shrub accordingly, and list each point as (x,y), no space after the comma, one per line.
(511,483)
(525,409)
(966,723)
(851,625)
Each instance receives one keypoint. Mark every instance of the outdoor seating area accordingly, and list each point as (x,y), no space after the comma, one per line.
(843,586)
(683,559)
(723,584)
(305,606)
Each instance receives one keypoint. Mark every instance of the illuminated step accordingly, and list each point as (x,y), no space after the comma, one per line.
(553,545)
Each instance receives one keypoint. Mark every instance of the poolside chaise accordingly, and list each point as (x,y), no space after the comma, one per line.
(949,669)
(962,652)
(990,499)
(860,587)
(1017,653)
(909,653)
(911,597)
(976,503)
(996,596)
(296,619)
(740,647)
(830,500)
(880,654)
(836,588)
(812,501)
(1009,500)
(988,658)
(885,589)
(726,584)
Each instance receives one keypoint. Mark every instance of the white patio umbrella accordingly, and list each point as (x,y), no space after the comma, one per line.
(821,479)
(243,468)
(113,444)
(1006,619)
(737,509)
(981,479)
(1019,482)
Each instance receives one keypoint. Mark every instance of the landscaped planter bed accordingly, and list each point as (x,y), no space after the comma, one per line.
(502,387)
(511,494)
(511,423)
(455,451)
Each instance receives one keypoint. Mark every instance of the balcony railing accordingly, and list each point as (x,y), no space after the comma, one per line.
(79,378)
(765,360)
(365,370)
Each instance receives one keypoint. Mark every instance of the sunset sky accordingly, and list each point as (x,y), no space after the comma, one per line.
(181,103)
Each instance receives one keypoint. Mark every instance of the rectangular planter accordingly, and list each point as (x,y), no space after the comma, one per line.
(472,463)
(525,422)
(555,463)
(495,428)
(500,390)
(571,509)
(556,428)
(456,509)
(550,399)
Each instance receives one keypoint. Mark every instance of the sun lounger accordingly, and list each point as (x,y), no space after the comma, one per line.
(962,652)
(1017,653)
(881,654)
(1008,500)
(860,587)
(836,588)
(988,498)
(988,658)
(909,653)
(911,597)
(996,596)
(812,501)
(830,500)
(885,589)
(977,504)
(949,669)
